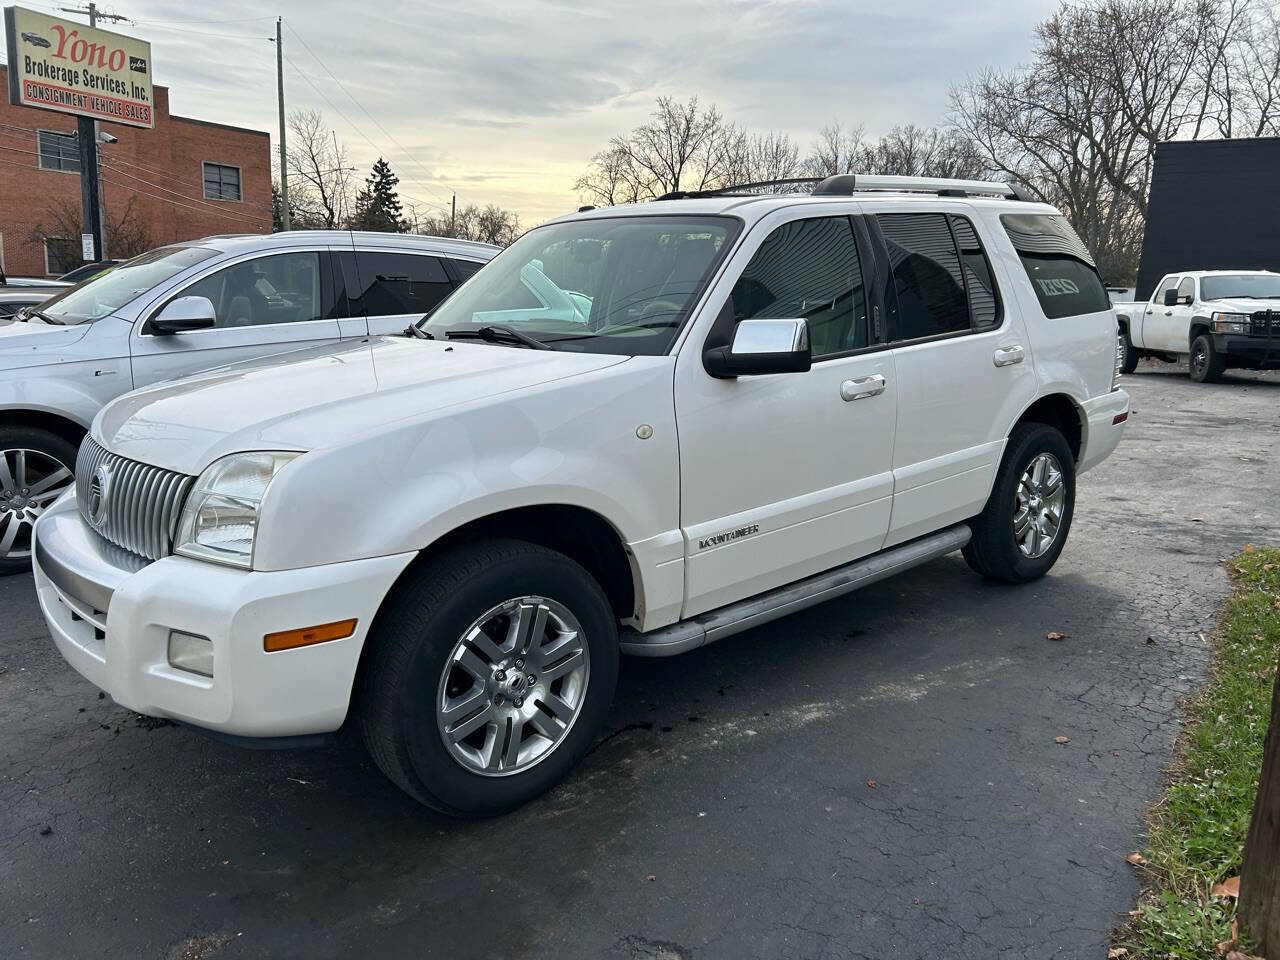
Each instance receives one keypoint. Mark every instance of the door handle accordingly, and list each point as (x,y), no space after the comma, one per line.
(1007,356)
(862,387)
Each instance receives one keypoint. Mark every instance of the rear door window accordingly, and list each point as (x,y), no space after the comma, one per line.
(926,275)
(389,284)
(1060,267)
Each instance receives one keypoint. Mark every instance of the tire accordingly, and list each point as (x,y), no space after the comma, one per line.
(995,550)
(1131,356)
(1205,364)
(37,467)
(418,662)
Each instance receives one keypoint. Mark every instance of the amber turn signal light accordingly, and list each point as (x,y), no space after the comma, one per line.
(305,636)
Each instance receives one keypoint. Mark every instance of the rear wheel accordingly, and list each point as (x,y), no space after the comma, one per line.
(491,671)
(1206,364)
(1129,362)
(1022,530)
(36,466)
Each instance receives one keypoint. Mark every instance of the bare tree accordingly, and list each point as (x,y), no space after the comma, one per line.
(125,232)
(319,174)
(488,224)
(762,157)
(837,150)
(912,151)
(683,147)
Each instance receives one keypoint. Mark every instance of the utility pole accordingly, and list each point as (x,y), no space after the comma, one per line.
(453,216)
(285,219)
(87,135)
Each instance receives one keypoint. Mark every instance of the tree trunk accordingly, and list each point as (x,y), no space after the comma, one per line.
(1260,877)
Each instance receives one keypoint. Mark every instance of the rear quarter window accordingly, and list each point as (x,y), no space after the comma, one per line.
(1058,264)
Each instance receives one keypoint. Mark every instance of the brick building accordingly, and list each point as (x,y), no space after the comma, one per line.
(184,179)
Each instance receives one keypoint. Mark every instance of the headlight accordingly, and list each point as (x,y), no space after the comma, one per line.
(220,516)
(1231,322)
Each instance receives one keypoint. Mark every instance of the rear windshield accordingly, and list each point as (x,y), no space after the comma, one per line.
(1061,271)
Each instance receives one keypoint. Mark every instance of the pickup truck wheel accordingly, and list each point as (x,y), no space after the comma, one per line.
(491,672)
(1022,530)
(1206,364)
(35,467)
(1131,356)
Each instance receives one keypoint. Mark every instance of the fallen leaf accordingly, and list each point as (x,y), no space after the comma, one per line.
(1268,567)
(1061,740)
(872,784)
(1137,859)
(1115,952)
(1237,955)
(1056,635)
(1250,548)
(1227,888)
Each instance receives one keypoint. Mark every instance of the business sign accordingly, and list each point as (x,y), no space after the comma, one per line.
(57,64)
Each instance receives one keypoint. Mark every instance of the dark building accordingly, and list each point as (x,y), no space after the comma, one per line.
(1215,205)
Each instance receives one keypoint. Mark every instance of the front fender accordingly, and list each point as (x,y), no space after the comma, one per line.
(572,442)
(73,391)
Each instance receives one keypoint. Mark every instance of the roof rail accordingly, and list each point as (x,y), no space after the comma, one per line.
(846,184)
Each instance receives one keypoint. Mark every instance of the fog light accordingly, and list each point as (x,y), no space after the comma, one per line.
(191,653)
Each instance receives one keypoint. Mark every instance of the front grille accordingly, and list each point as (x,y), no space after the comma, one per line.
(141,505)
(1265,323)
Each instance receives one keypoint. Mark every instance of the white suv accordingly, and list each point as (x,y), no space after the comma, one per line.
(185,308)
(639,430)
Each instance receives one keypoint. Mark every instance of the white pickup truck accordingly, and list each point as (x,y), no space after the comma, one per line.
(1216,318)
(638,430)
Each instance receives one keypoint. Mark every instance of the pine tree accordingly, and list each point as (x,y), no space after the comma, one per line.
(377,206)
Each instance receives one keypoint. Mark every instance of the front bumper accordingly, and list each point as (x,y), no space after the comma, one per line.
(1105,419)
(110,614)
(1253,351)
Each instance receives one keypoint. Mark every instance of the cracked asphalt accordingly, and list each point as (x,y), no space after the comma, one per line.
(876,777)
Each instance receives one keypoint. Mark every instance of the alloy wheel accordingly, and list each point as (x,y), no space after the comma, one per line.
(513,686)
(1038,505)
(1199,359)
(29,481)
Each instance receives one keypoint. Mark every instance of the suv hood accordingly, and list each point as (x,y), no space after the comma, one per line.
(319,397)
(30,343)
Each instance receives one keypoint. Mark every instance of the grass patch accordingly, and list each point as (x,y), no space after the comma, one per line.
(1198,828)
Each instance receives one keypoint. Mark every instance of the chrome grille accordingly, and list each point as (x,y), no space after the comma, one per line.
(141,503)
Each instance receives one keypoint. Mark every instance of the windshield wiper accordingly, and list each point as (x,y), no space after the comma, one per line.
(33,312)
(413,330)
(498,333)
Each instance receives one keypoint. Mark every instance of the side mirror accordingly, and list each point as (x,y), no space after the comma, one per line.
(1171,298)
(762,346)
(1186,301)
(184,314)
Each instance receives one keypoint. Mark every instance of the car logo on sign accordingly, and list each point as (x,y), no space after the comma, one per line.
(99,490)
(35,40)
(138,64)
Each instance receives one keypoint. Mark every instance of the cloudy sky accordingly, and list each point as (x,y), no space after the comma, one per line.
(506,102)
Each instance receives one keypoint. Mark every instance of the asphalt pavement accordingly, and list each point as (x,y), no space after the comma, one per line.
(876,777)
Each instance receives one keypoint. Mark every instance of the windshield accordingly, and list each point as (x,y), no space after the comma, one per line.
(620,285)
(1258,286)
(94,299)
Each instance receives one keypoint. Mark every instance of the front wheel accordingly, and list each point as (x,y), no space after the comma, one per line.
(1022,530)
(1206,364)
(35,468)
(491,671)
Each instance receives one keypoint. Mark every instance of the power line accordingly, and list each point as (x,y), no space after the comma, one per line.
(175,203)
(204,204)
(376,123)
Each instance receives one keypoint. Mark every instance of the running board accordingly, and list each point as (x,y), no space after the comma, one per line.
(754,611)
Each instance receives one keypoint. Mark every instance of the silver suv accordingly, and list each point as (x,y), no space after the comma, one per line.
(185,308)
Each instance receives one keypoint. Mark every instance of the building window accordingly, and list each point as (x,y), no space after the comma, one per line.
(60,256)
(221,182)
(59,151)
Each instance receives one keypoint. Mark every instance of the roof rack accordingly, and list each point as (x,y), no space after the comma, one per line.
(847,184)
